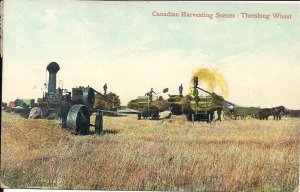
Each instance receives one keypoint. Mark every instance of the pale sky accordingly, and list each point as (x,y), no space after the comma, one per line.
(123,45)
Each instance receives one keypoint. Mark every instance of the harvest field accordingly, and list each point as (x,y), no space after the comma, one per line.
(173,154)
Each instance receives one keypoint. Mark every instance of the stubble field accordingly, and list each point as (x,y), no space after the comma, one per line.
(173,154)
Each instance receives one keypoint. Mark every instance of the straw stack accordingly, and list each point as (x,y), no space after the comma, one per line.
(109,101)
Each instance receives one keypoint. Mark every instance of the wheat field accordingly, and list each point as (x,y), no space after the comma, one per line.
(173,154)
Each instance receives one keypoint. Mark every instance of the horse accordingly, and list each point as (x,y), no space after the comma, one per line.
(278,112)
(264,113)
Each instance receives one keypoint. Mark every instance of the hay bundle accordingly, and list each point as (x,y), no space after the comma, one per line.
(160,105)
(109,101)
(138,104)
(143,104)
(176,103)
(175,98)
(204,103)
(186,104)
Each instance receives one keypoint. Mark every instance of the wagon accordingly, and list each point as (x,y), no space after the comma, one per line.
(202,108)
(149,108)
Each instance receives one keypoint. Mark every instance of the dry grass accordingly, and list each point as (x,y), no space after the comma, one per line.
(242,155)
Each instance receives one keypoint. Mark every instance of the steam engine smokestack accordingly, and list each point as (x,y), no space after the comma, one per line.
(53,68)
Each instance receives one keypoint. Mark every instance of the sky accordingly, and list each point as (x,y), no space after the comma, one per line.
(124,45)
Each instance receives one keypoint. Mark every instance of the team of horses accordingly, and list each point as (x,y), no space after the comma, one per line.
(276,112)
(257,113)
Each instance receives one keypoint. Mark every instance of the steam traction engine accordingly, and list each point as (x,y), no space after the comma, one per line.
(49,105)
(74,109)
(78,117)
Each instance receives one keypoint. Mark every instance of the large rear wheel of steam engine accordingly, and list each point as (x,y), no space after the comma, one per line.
(78,120)
(88,97)
(99,124)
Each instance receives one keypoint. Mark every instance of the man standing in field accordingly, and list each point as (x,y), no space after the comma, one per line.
(150,94)
(105,88)
(180,89)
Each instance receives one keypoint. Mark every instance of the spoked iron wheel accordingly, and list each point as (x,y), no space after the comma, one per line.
(78,120)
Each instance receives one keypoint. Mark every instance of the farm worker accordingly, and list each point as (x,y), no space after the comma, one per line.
(150,94)
(180,89)
(105,88)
